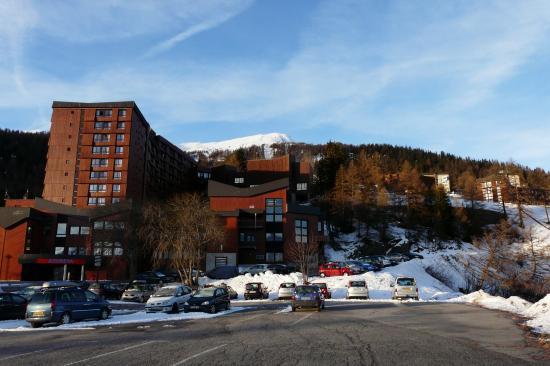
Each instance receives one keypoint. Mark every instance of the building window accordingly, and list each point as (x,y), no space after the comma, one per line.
(115,200)
(274,237)
(72,251)
(239,180)
(61,230)
(75,230)
(118,249)
(92,201)
(100,149)
(278,257)
(102,125)
(116,187)
(301,187)
(120,125)
(269,257)
(98,225)
(98,188)
(119,149)
(117,175)
(247,237)
(118,162)
(59,250)
(274,210)
(109,225)
(203,175)
(120,137)
(119,225)
(107,249)
(81,250)
(84,230)
(101,201)
(122,112)
(100,162)
(101,137)
(98,175)
(103,113)
(301,231)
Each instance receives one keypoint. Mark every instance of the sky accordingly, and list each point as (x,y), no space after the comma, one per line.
(470,78)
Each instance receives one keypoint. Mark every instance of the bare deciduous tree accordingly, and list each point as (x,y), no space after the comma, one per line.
(305,255)
(177,232)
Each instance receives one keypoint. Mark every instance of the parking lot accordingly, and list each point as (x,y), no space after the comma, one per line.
(267,333)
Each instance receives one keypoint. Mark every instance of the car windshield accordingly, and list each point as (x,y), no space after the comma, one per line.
(306,290)
(41,298)
(165,291)
(405,282)
(252,286)
(205,292)
(321,285)
(137,288)
(288,285)
(357,284)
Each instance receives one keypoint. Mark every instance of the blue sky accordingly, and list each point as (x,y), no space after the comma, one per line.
(470,78)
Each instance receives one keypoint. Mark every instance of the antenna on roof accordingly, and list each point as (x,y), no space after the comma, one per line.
(6,195)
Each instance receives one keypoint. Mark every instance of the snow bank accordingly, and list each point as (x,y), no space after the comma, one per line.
(540,312)
(137,317)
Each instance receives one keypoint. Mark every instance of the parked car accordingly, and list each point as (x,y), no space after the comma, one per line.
(307,296)
(278,268)
(398,258)
(209,299)
(334,269)
(65,304)
(12,306)
(168,299)
(28,291)
(223,272)
(255,290)
(357,290)
(356,268)
(286,290)
(363,266)
(374,263)
(412,255)
(383,260)
(155,277)
(324,289)
(139,291)
(405,288)
(106,290)
(232,293)
(256,269)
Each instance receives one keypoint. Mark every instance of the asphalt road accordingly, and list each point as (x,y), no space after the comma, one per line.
(343,334)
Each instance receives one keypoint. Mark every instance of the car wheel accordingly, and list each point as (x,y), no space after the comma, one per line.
(36,325)
(175,309)
(346,274)
(65,318)
(293,309)
(213,309)
(228,306)
(322,274)
(104,315)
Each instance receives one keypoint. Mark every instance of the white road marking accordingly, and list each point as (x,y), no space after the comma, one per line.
(20,355)
(304,318)
(199,354)
(110,353)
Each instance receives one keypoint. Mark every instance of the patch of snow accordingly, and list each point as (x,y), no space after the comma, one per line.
(137,317)
(262,140)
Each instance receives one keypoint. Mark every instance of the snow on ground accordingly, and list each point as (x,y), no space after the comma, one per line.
(136,317)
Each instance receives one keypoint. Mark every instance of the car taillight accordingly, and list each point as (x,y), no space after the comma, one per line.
(293,297)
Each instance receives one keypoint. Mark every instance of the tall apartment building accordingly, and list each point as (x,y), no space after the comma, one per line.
(104,153)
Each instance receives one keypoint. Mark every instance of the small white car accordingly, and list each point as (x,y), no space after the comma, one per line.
(405,288)
(286,290)
(169,298)
(357,290)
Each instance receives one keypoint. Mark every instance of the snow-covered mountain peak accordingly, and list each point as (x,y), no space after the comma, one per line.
(264,140)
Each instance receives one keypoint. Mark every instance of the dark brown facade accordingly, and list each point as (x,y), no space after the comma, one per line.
(104,153)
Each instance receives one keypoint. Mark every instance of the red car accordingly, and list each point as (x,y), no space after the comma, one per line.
(334,269)
(324,289)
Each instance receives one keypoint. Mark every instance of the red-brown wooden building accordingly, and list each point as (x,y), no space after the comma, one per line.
(265,210)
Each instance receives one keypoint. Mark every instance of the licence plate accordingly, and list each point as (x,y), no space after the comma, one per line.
(194,307)
(407,289)
(38,314)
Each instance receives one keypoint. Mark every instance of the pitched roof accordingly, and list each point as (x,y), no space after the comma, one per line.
(217,189)
(10,216)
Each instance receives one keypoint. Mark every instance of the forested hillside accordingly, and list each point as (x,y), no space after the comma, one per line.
(22,163)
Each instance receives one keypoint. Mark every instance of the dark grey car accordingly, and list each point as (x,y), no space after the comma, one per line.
(308,297)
